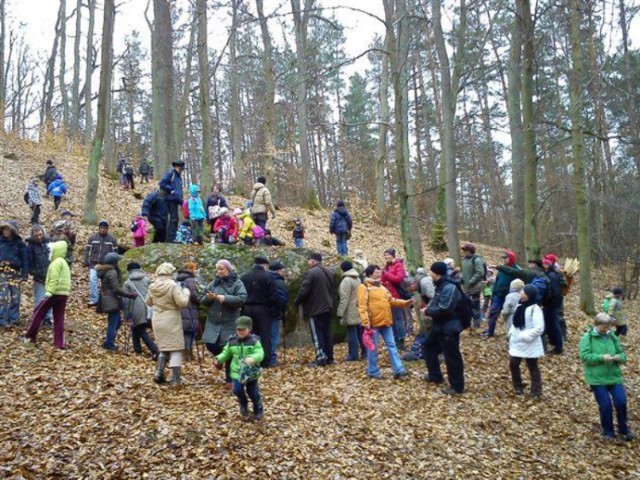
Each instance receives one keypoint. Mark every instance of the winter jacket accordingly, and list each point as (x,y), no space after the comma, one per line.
(393,275)
(190,321)
(57,188)
(527,275)
(50,174)
(374,305)
(227,222)
(58,280)
(221,317)
(155,209)
(136,308)
(261,200)
(237,349)
(196,209)
(259,286)
(171,186)
(167,299)
(503,280)
(14,254)
(509,308)
(593,347)
(442,309)
(279,307)
(97,248)
(553,298)
(298,231)
(527,343)
(110,288)
(143,169)
(472,273)
(341,221)
(427,289)
(316,291)
(615,310)
(33,193)
(39,254)
(348,306)
(246,231)
(141,228)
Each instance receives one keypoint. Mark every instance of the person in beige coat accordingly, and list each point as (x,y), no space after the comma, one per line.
(167,298)
(348,310)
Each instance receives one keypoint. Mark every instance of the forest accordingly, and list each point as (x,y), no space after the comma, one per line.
(509,123)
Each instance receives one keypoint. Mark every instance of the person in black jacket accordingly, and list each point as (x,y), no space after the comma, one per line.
(340,225)
(444,336)
(278,309)
(316,297)
(39,252)
(551,304)
(171,188)
(143,170)
(14,269)
(49,175)
(154,210)
(261,294)
(271,241)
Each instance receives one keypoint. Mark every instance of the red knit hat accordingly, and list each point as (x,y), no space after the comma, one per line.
(510,256)
(550,259)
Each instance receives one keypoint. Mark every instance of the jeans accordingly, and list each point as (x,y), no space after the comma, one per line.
(355,346)
(261,327)
(198,231)
(35,214)
(139,332)
(93,286)
(172,224)
(322,337)
(39,295)
(298,242)
(449,345)
(9,301)
(216,349)
(260,219)
(252,390)
(113,324)
(604,394)
(552,327)
(496,307)
(534,373)
(341,244)
(372,355)
(275,340)
(57,303)
(399,326)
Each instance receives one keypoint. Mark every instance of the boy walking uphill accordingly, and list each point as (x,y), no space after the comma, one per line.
(245,352)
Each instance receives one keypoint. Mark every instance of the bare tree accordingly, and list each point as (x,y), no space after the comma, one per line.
(75,85)
(267,131)
(88,114)
(205,105)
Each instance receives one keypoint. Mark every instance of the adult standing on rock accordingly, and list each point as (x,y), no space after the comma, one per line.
(261,204)
(168,299)
(224,298)
(348,309)
(316,297)
(261,294)
(171,187)
(154,209)
(99,245)
(340,225)
(472,279)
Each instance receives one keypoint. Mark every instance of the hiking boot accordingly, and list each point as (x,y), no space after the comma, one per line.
(244,411)
(162,363)
(257,416)
(411,357)
(518,391)
(399,375)
(451,391)
(429,379)
(176,381)
(629,436)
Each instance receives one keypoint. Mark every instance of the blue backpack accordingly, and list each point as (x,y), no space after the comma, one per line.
(542,284)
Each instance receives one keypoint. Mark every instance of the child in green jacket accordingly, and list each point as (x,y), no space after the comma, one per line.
(245,352)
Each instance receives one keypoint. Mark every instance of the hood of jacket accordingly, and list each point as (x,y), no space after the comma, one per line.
(342,211)
(257,186)
(162,286)
(194,190)
(59,250)
(102,269)
(136,275)
(183,274)
(351,273)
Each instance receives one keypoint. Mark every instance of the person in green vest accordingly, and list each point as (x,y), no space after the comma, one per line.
(602,354)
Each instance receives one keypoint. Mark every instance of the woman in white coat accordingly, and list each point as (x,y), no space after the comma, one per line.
(167,299)
(525,341)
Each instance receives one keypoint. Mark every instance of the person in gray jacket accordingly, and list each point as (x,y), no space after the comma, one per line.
(472,279)
(348,310)
(136,311)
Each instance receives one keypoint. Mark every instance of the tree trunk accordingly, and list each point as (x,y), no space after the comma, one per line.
(242,174)
(75,86)
(206,172)
(383,132)
(88,113)
(46,116)
(579,176)
(106,66)
(267,128)
(186,89)
(63,66)
(3,80)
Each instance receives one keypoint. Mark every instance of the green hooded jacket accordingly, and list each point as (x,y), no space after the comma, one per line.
(237,349)
(58,281)
(593,347)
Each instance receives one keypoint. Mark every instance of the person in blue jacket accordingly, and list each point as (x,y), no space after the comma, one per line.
(340,226)
(57,189)
(197,214)
(171,187)
(14,268)
(154,209)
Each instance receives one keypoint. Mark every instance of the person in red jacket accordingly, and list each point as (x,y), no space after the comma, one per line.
(393,275)
(226,227)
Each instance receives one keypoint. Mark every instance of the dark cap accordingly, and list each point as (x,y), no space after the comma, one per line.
(112,258)
(346,266)
(244,322)
(316,256)
(276,265)
(260,261)
(103,223)
(177,163)
(439,268)
(262,180)
(536,261)
(133,266)
(617,291)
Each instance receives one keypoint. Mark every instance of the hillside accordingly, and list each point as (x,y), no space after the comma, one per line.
(87,413)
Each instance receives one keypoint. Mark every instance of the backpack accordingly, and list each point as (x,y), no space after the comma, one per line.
(185,209)
(214,212)
(258,232)
(605,305)
(26,197)
(464,309)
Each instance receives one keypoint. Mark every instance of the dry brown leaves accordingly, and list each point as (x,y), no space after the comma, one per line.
(86,413)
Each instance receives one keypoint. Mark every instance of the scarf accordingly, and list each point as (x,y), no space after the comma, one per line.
(518,317)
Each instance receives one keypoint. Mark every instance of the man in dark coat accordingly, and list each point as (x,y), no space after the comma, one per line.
(316,297)
(444,336)
(50,174)
(143,170)
(340,225)
(14,268)
(39,252)
(278,309)
(261,294)
(154,209)
(171,187)
(98,246)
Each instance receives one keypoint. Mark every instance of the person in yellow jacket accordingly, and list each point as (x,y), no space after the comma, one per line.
(374,307)
(57,289)
(246,230)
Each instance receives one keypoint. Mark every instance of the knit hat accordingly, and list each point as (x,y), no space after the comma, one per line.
(439,268)
(226,264)
(549,259)
(531,291)
(165,269)
(516,285)
(510,256)
(346,266)
(276,265)
(244,322)
(603,319)
(390,251)
(316,256)
(177,163)
(112,258)
(340,203)
(262,180)
(49,162)
(261,261)
(469,247)
(450,262)
(103,223)
(617,291)
(133,266)
(237,211)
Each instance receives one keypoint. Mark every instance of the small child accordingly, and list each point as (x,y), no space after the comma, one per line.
(511,302)
(487,292)
(197,215)
(183,235)
(612,305)
(139,230)
(298,233)
(246,230)
(57,189)
(245,352)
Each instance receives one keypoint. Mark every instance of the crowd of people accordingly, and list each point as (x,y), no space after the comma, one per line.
(246,310)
